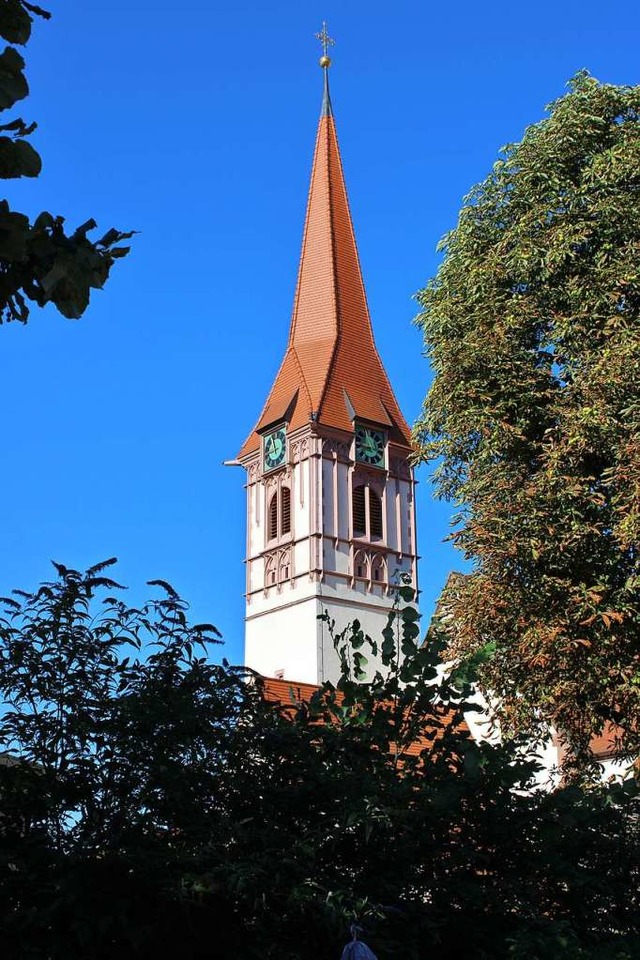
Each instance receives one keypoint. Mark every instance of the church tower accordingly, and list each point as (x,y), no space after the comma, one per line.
(330,489)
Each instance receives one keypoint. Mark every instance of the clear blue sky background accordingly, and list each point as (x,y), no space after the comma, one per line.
(194,123)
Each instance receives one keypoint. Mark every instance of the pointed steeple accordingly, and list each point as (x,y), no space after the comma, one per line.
(331,372)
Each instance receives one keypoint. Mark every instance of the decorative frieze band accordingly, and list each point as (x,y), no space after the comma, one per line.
(339,448)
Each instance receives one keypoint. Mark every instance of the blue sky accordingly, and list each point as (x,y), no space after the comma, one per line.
(194,124)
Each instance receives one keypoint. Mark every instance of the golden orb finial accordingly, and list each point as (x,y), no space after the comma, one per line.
(326,41)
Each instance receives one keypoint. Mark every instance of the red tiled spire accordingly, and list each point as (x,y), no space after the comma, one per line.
(331,371)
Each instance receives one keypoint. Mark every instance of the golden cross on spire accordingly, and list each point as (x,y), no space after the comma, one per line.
(326,41)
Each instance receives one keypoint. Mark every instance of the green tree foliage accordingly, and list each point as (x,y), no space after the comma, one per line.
(154,804)
(532,328)
(39,262)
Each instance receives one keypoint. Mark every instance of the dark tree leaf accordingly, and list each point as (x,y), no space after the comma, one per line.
(13,83)
(18,159)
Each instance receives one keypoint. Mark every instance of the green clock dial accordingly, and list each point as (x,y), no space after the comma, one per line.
(370,446)
(274,448)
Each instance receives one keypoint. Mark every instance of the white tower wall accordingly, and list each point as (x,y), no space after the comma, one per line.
(319,565)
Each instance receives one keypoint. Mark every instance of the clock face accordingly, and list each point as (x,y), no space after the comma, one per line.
(370,446)
(274,448)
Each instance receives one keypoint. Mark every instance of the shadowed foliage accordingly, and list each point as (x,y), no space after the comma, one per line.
(153,803)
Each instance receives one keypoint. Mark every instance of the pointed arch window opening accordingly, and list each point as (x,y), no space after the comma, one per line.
(379,569)
(279,518)
(367,513)
(284,567)
(361,565)
(270,573)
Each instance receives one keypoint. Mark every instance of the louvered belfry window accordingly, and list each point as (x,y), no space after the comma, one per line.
(279,515)
(273,517)
(375,515)
(366,508)
(359,512)
(285,511)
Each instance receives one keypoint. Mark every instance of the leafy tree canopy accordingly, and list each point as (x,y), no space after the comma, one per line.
(39,262)
(532,328)
(153,804)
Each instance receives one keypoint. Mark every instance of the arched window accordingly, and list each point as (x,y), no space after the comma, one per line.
(279,514)
(378,569)
(366,508)
(284,566)
(360,564)
(270,571)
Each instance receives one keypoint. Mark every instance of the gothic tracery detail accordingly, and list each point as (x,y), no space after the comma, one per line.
(278,568)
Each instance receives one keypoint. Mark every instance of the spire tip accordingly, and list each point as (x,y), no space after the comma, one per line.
(326,41)
(325,63)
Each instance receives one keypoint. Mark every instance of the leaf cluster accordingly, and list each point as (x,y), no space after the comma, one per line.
(39,262)
(532,328)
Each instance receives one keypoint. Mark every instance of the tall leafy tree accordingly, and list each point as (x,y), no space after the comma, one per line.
(153,803)
(39,261)
(532,328)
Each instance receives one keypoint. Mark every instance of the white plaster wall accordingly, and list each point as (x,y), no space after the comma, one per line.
(615,770)
(286,641)
(281,595)
(282,629)
(301,558)
(548,753)
(372,613)
(341,558)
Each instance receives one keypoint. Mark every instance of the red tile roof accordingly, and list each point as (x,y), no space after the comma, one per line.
(604,746)
(331,346)
(289,693)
